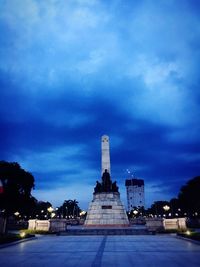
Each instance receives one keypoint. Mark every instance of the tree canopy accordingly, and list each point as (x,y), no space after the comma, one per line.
(69,208)
(17,186)
(189,196)
(186,204)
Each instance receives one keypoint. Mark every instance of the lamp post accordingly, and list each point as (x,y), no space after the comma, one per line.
(82,213)
(16,213)
(166,208)
(135,212)
(53,214)
(50,210)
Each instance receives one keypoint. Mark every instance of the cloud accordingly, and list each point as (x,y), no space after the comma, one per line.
(72,71)
(56,196)
(53,160)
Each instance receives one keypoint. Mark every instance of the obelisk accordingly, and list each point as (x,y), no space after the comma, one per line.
(105,154)
(106,208)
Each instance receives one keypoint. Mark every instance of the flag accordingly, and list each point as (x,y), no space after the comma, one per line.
(1,187)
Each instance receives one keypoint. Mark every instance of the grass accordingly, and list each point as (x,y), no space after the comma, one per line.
(8,238)
(36,232)
(190,235)
(26,233)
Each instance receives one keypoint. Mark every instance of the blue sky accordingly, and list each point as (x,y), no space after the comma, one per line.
(71,71)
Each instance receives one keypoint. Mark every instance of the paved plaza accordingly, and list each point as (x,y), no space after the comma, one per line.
(105,251)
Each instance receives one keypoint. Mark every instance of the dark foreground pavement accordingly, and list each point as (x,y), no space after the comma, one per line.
(105,251)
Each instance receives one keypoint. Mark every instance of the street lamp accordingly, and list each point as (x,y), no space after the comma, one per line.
(135,212)
(50,209)
(82,213)
(16,213)
(53,214)
(166,208)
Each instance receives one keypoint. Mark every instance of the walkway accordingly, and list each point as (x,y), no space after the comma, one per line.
(104,251)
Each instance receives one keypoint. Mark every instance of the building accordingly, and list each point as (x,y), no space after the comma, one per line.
(135,193)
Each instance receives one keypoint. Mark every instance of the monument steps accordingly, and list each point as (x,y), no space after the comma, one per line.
(105,231)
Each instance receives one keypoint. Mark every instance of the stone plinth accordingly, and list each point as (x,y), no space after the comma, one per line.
(176,224)
(52,225)
(106,209)
(154,224)
(160,224)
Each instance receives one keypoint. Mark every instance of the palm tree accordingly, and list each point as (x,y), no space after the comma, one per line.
(69,208)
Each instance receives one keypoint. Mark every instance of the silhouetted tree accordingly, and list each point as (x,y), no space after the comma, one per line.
(40,210)
(175,207)
(157,207)
(17,186)
(189,197)
(69,208)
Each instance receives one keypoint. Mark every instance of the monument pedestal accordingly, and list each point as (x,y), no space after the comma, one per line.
(106,209)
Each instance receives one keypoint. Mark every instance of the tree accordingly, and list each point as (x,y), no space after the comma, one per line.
(175,207)
(189,197)
(17,185)
(157,208)
(40,210)
(69,208)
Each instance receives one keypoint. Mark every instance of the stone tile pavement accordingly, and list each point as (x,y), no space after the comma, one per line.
(104,251)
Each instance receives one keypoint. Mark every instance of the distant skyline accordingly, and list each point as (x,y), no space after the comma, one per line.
(72,71)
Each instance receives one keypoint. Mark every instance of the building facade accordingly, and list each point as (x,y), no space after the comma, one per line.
(135,193)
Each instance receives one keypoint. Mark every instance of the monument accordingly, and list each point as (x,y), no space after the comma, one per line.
(106,208)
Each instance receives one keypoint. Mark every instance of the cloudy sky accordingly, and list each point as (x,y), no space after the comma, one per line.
(73,70)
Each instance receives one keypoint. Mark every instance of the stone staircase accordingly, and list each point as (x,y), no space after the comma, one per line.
(105,231)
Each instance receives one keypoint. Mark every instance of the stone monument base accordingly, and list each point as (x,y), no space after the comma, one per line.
(106,210)
(52,225)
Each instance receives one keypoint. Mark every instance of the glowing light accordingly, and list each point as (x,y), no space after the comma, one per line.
(166,208)
(53,214)
(83,212)
(22,234)
(135,212)
(188,232)
(16,213)
(50,209)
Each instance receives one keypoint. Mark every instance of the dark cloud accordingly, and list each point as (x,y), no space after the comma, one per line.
(70,74)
